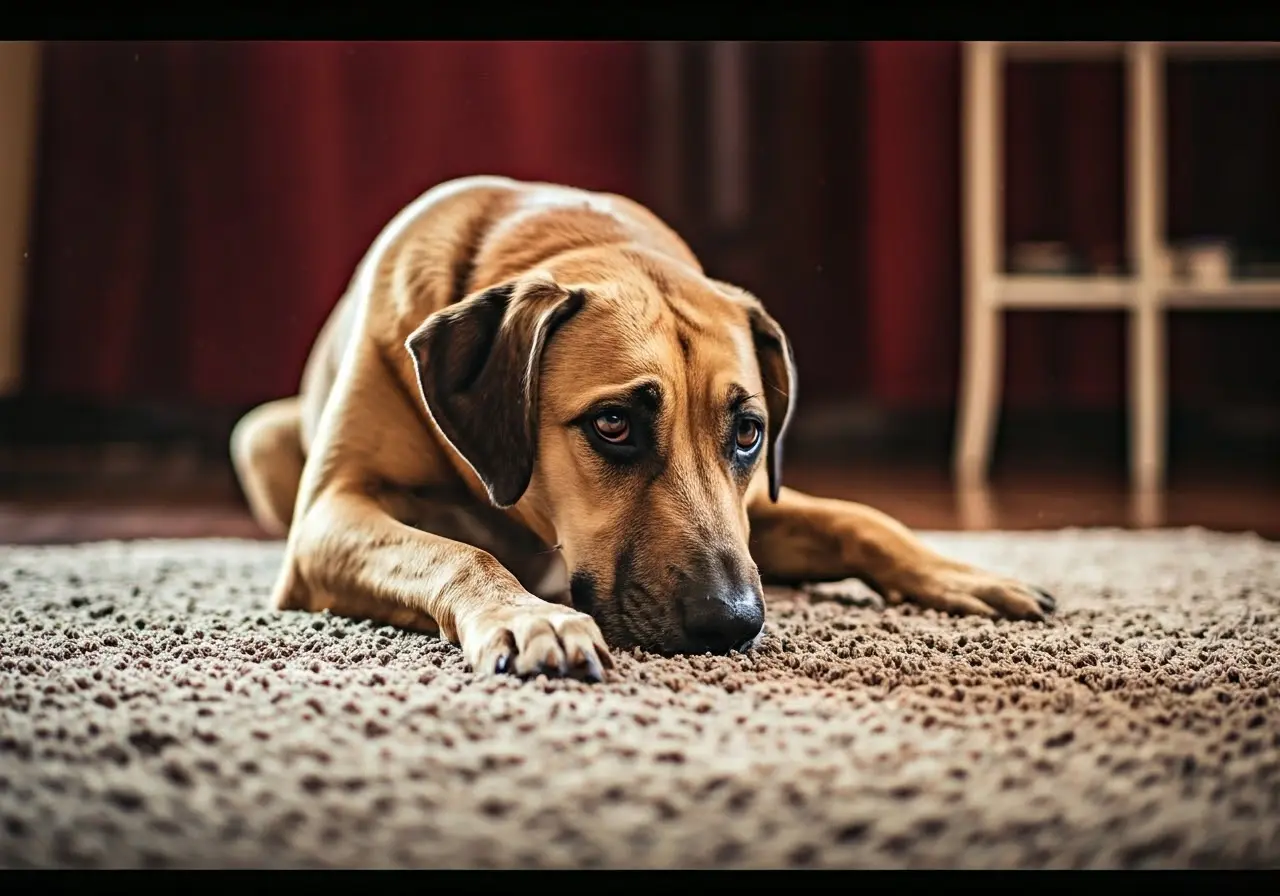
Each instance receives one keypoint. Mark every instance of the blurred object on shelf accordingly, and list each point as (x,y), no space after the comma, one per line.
(1042,258)
(1204,262)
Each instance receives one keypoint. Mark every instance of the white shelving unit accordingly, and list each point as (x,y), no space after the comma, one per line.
(1147,293)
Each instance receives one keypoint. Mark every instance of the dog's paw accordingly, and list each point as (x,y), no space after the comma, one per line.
(536,638)
(850,592)
(972,592)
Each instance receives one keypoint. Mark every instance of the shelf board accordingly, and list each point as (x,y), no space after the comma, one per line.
(1065,291)
(1087,291)
(1076,50)
(1220,49)
(1238,295)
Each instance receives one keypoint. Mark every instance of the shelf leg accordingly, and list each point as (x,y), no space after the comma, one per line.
(982,349)
(1147,368)
(1147,391)
(983,366)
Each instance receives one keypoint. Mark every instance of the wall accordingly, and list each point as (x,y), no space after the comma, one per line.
(18,95)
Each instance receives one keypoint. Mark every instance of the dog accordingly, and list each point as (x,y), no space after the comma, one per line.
(535,426)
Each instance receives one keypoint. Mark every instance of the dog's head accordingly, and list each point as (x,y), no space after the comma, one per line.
(630,405)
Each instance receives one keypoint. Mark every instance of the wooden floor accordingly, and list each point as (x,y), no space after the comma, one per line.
(194,500)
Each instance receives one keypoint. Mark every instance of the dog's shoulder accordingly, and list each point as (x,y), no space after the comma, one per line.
(423,260)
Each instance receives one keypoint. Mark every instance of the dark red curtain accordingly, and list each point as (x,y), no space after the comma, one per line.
(201,205)
(1064,181)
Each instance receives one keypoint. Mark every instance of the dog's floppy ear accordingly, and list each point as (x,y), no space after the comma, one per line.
(478,364)
(778,371)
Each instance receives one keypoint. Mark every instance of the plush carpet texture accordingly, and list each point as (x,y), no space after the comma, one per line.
(154,712)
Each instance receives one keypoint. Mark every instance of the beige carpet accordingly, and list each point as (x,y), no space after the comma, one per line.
(153,712)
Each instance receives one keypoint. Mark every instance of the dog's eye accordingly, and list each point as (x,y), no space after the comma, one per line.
(612,426)
(748,436)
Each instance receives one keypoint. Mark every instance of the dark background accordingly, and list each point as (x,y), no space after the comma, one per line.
(200,205)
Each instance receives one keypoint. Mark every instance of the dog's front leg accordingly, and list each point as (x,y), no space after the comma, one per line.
(802,538)
(349,554)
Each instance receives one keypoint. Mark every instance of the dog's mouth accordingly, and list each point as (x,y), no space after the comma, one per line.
(751,643)
(612,615)
(630,617)
(662,637)
(691,648)
(633,619)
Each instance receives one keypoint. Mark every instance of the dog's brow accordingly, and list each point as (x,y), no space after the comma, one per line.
(737,397)
(646,391)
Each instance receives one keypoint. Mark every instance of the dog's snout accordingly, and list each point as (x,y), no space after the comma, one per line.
(720,623)
(722,605)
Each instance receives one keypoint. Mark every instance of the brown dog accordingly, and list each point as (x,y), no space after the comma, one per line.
(525,378)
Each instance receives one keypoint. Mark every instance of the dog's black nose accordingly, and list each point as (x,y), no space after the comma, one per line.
(720,623)
(722,608)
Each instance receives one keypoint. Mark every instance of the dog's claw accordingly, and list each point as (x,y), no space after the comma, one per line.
(550,669)
(587,666)
(1045,599)
(592,671)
